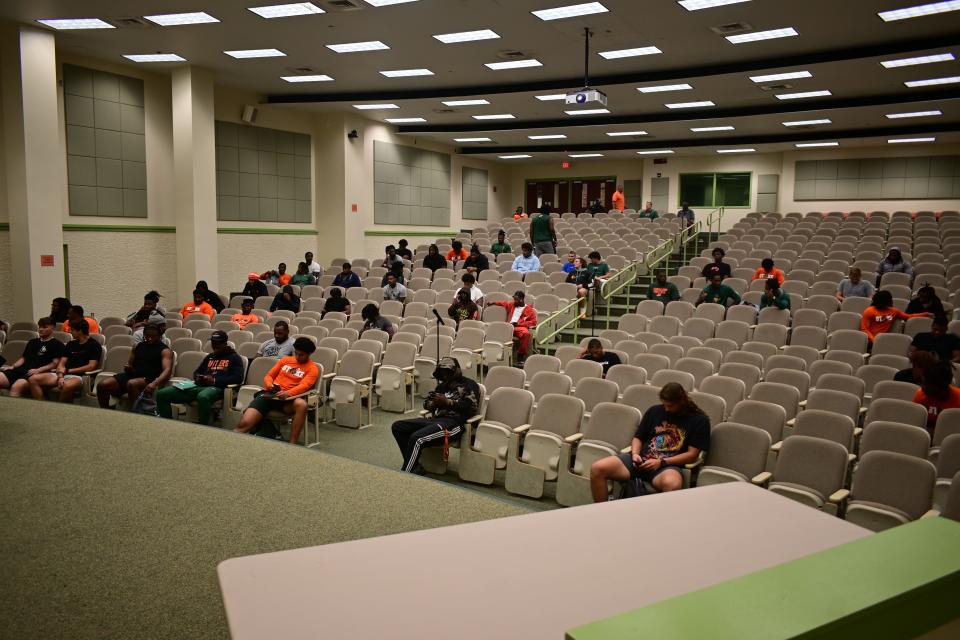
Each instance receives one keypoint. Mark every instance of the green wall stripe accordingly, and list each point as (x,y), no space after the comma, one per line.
(121,228)
(407,232)
(263,231)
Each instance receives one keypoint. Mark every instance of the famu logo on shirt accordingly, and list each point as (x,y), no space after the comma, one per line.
(296,372)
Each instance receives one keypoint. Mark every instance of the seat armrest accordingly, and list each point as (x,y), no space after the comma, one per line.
(932,513)
(424,413)
(693,465)
(863,410)
(802,404)
(851,457)
(776,446)
(522,429)
(364,380)
(762,478)
(93,373)
(791,422)
(626,450)
(474,419)
(839,496)
(574,438)
(857,431)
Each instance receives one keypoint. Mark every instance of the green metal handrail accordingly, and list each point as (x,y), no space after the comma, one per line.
(548,329)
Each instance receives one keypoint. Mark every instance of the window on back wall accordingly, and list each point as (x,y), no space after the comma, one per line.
(106,147)
(263,175)
(715,189)
(474,194)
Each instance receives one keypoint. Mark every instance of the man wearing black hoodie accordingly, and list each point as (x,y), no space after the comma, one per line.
(218,370)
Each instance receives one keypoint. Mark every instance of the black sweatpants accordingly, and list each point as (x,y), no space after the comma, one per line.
(413,435)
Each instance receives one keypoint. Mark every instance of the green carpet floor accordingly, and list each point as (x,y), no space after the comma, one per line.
(113,524)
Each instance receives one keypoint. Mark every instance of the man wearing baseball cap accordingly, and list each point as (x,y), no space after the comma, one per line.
(216,372)
(254,288)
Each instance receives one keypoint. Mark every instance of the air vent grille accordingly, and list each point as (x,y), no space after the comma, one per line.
(732,28)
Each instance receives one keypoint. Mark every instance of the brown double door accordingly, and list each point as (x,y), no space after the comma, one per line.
(574,194)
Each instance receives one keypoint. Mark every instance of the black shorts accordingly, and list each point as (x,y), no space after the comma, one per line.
(266,403)
(646,476)
(124,378)
(18,373)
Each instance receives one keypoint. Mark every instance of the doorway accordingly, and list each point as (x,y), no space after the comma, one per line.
(573,194)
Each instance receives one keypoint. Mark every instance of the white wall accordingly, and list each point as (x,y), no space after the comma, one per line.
(6,268)
(242,253)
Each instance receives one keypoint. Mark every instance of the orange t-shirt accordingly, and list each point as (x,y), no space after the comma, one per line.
(935,406)
(875,322)
(619,202)
(451,255)
(203,307)
(244,320)
(284,279)
(293,377)
(760,274)
(91,323)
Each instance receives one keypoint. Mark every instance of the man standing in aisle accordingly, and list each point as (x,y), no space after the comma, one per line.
(619,201)
(543,236)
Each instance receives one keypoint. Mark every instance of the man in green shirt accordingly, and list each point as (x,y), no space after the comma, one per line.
(598,269)
(718,293)
(662,290)
(774,296)
(649,212)
(501,246)
(543,236)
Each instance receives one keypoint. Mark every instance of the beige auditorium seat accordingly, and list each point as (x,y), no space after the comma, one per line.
(811,471)
(349,389)
(738,453)
(890,489)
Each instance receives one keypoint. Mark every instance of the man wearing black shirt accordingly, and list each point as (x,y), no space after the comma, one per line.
(402,250)
(336,302)
(149,368)
(946,346)
(216,372)
(595,352)
(81,355)
(717,267)
(41,355)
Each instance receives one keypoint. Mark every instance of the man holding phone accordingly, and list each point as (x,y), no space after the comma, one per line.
(216,372)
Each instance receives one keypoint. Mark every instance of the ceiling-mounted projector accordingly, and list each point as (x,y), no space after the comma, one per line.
(587,96)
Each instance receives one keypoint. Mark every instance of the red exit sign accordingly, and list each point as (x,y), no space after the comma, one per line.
(564,165)
(46,261)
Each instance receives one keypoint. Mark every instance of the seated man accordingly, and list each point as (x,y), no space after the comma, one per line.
(394,290)
(254,287)
(463,308)
(396,270)
(391,258)
(476,261)
(501,246)
(470,284)
(595,353)
(197,306)
(766,271)
(216,372)
(945,346)
(774,296)
(59,308)
(346,278)
(894,263)
(717,267)
(662,290)
(40,355)
(336,302)
(926,301)
(523,317)
(456,254)
(290,377)
(403,251)
(149,311)
(937,392)
(149,368)
(854,286)
(312,265)
(919,361)
(648,212)
(670,435)
(246,315)
(161,324)
(81,355)
(210,297)
(571,263)
(280,345)
(718,293)
(74,313)
(286,300)
(302,277)
(455,400)
(599,270)
(277,277)
(526,261)
(373,320)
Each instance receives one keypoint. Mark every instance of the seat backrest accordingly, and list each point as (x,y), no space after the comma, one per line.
(539,362)
(650,308)
(700,369)
(665,326)
(673,352)
(948,461)
(504,377)
(896,390)
(816,423)
(714,406)
(356,364)
(812,462)
(948,423)
(593,391)
(765,415)
(739,447)
(664,376)
(882,435)
(326,358)
(544,382)
(339,344)
(613,424)
(650,362)
(823,367)
(116,358)
(774,334)
(558,414)
(258,370)
(625,375)
(896,411)
(578,369)
(798,379)
(187,363)
(509,405)
(895,480)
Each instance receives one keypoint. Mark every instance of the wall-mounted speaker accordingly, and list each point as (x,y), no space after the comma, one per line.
(249,114)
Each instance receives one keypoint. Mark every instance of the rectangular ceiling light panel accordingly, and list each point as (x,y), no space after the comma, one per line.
(513,64)
(736,150)
(406,73)
(586,155)
(756,36)
(807,123)
(710,129)
(689,105)
(153,57)
(374,107)
(387,3)
(472,140)
(465,103)
(552,96)
(587,112)
(775,77)
(405,120)
(255,53)
(356,47)
(570,11)
(175,19)
(616,134)
(909,62)
(316,78)
(810,145)
(932,82)
(654,153)
(495,116)
(63,24)
(515,157)
(665,87)
(915,114)
(919,11)
(697,5)
(467,36)
(630,53)
(899,140)
(555,136)
(802,94)
(287,10)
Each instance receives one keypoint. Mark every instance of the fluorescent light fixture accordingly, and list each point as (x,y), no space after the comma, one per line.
(709,129)
(153,57)
(809,145)
(286,10)
(374,107)
(355,47)
(513,64)
(932,81)
(317,78)
(756,36)
(465,103)
(909,62)
(406,73)
(654,153)
(495,116)
(790,75)
(802,94)
(919,11)
(62,24)
(553,96)
(630,53)
(405,120)
(899,140)
(736,150)
(616,134)
(915,114)
(586,112)
(515,157)
(586,155)
(805,123)
(472,140)
(697,5)
(552,136)
(570,11)
(175,19)
(255,53)
(665,87)
(467,36)
(386,3)
(689,105)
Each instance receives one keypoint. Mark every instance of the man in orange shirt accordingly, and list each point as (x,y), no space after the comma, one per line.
(457,253)
(936,393)
(74,313)
(767,272)
(246,315)
(197,306)
(619,202)
(879,316)
(290,377)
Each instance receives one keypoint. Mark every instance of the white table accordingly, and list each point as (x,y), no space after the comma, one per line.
(530,576)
